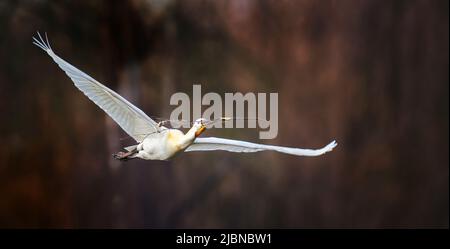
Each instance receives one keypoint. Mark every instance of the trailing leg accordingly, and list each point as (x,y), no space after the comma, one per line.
(124,156)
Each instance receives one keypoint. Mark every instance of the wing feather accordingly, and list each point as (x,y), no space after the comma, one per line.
(214,143)
(130,118)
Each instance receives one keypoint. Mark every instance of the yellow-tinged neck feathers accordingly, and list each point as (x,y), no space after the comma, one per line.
(189,137)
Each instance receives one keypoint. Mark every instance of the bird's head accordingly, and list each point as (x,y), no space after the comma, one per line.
(199,126)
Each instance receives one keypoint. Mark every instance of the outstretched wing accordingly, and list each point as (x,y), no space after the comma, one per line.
(132,120)
(214,143)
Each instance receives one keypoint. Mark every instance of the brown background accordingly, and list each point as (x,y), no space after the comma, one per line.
(371,74)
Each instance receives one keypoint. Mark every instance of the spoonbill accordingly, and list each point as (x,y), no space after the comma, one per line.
(153,140)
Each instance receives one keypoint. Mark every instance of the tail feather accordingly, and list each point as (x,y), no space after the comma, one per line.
(131,148)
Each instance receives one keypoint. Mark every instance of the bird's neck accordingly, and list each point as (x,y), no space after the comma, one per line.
(188,138)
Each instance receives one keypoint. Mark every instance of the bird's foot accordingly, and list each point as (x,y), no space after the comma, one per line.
(122,156)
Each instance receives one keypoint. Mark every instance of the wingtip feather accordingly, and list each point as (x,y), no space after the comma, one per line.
(41,43)
(331,145)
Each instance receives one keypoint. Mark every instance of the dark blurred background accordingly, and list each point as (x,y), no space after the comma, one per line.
(371,74)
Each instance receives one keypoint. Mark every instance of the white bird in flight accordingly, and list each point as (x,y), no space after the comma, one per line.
(154,141)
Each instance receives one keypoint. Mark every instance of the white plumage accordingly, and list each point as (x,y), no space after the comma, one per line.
(132,120)
(214,143)
(156,142)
